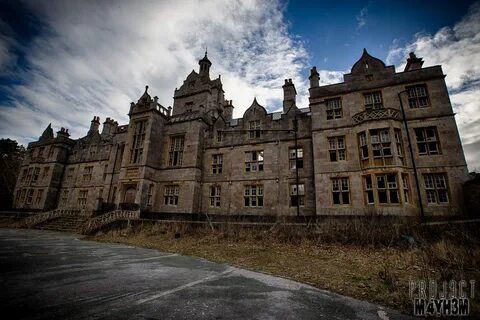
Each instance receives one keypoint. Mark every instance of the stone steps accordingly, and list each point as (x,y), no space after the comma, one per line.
(64,224)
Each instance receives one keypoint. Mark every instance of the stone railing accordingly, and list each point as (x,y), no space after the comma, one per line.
(110,217)
(377,114)
(45,216)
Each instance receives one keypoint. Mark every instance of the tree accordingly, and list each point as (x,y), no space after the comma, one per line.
(11,158)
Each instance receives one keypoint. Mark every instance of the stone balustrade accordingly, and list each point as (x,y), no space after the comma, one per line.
(377,114)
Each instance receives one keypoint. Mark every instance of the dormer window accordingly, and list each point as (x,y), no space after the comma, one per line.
(373,100)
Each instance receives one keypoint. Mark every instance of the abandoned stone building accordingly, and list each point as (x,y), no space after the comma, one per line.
(346,153)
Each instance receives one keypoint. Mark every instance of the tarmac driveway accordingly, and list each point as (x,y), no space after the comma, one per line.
(51,275)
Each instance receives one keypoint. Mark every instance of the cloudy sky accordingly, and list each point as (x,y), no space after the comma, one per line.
(65,61)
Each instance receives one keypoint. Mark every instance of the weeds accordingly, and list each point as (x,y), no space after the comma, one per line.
(371,259)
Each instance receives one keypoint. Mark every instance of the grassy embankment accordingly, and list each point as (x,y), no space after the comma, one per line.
(363,259)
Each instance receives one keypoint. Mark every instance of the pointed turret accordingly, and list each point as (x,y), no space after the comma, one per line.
(205,65)
(47,134)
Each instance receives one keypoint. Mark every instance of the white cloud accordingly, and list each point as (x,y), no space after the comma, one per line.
(457,49)
(96,56)
(362,18)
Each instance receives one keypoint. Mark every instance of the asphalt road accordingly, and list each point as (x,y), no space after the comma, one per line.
(50,275)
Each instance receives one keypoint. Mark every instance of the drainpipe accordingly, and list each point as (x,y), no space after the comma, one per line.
(419,194)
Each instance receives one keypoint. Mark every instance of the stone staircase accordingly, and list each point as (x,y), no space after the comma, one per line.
(72,224)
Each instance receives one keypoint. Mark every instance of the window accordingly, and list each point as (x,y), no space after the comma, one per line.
(105,170)
(92,151)
(253,161)
(40,151)
(82,197)
(255,131)
(217,162)
(36,173)
(380,140)
(436,187)
(176,151)
(64,197)
(334,108)
(138,140)
(427,141)
(406,188)
(38,199)
(373,100)
(298,154)
(70,172)
(22,195)
(336,148)
(294,199)
(170,196)
(387,188)
(51,150)
(363,143)
(24,175)
(189,105)
(87,173)
(368,189)
(219,136)
(46,170)
(29,174)
(150,195)
(398,141)
(29,196)
(417,96)
(215,195)
(253,196)
(340,191)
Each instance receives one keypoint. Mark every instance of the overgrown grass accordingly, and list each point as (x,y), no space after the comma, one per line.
(363,258)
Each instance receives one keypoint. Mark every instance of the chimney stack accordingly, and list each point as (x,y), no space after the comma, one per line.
(314,78)
(413,63)
(94,125)
(289,95)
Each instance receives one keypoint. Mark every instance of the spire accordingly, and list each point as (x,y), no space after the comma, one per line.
(47,134)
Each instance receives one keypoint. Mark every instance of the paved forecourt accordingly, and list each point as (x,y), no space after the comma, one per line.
(51,275)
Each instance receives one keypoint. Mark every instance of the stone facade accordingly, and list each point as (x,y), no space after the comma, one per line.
(345,154)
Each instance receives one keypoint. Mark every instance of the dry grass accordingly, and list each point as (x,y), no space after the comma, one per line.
(348,262)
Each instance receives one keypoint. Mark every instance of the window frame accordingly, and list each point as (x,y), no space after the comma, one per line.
(335,151)
(414,98)
(293,194)
(435,189)
(177,146)
(427,142)
(295,157)
(217,163)
(171,195)
(340,188)
(138,141)
(373,105)
(334,108)
(254,165)
(253,196)
(215,196)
